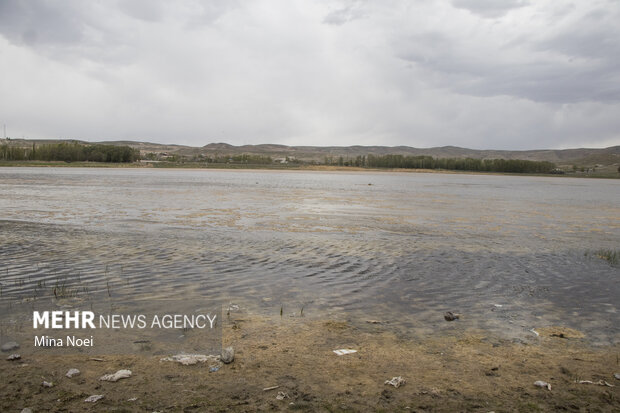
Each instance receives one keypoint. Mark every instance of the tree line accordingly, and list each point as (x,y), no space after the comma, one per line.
(241,159)
(70,152)
(76,152)
(455,164)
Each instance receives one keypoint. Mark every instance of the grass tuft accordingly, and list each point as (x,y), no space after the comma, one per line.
(611,256)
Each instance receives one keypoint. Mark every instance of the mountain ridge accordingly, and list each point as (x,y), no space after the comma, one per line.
(604,156)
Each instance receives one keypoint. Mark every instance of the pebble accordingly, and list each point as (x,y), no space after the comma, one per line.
(73,372)
(13,357)
(228,355)
(46,384)
(121,374)
(93,398)
(617,376)
(450,316)
(11,345)
(26,410)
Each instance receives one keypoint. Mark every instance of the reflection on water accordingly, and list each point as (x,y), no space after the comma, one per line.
(506,252)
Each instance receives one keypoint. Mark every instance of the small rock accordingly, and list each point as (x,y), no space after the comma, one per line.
(396,381)
(11,345)
(617,376)
(121,374)
(26,410)
(13,357)
(46,384)
(450,316)
(93,398)
(73,372)
(282,395)
(213,369)
(543,384)
(228,355)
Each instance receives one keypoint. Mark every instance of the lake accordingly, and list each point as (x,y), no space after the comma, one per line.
(509,253)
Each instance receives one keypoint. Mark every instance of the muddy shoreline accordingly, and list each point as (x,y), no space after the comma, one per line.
(460,371)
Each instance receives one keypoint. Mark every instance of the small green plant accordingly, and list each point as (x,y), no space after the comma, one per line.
(611,256)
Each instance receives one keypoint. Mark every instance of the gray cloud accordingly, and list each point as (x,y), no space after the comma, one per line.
(350,12)
(499,75)
(489,8)
(147,10)
(577,60)
(40,22)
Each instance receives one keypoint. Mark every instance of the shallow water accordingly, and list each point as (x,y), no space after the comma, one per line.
(401,248)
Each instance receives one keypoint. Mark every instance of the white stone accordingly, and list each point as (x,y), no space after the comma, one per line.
(228,355)
(73,372)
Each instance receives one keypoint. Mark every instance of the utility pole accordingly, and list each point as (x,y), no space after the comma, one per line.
(5,131)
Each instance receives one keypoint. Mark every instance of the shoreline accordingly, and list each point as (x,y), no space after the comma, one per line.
(457,371)
(274,168)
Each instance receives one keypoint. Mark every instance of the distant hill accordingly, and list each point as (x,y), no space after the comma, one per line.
(562,157)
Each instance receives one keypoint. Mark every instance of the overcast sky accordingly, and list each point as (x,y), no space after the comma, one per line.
(485,74)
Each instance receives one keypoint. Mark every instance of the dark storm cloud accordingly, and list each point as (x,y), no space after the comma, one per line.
(475,73)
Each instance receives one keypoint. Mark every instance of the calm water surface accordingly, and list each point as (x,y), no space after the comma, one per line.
(401,248)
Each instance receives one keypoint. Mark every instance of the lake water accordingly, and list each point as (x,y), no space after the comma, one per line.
(507,252)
